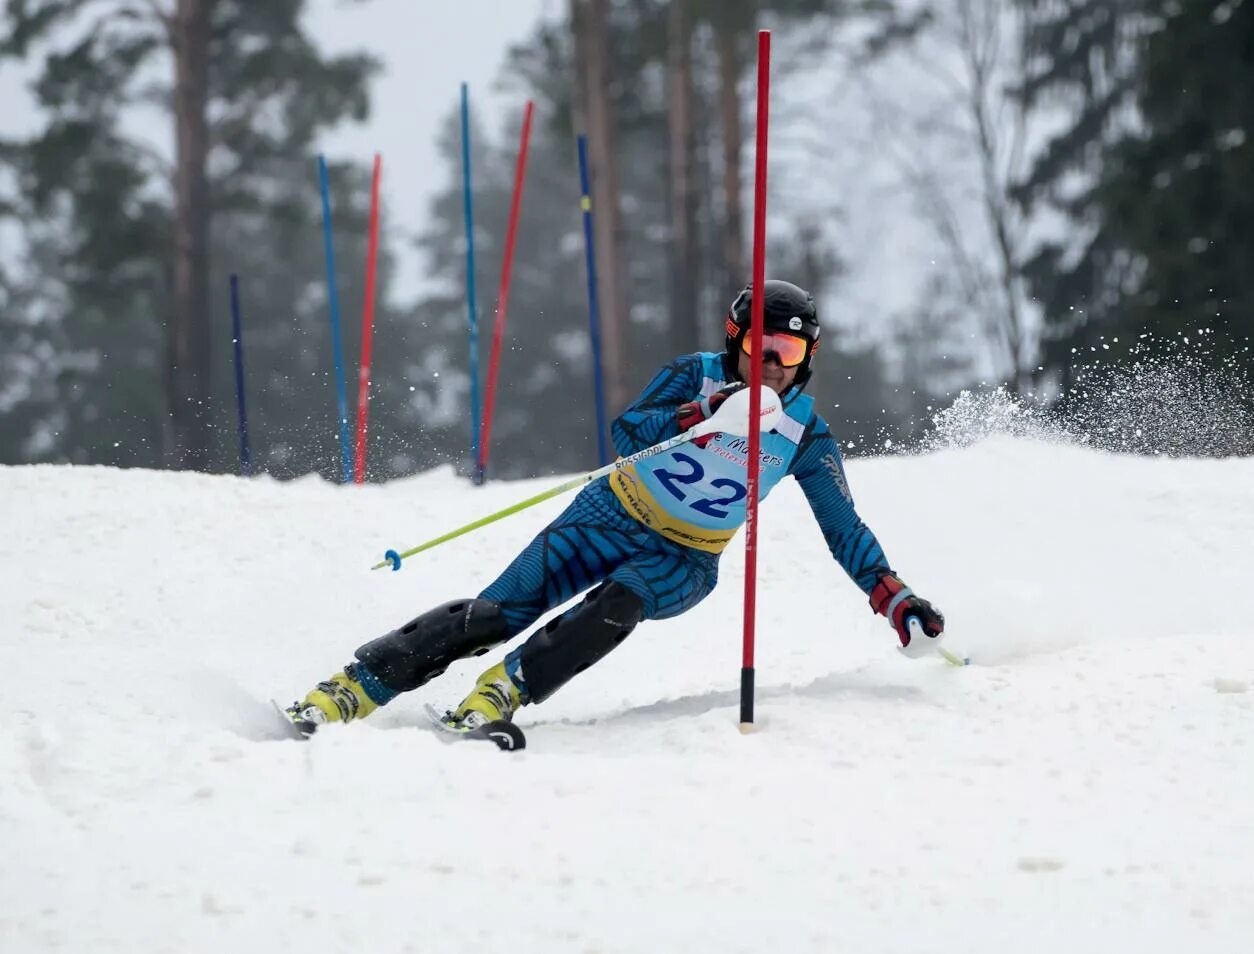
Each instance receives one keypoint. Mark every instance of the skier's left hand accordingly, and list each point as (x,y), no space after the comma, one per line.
(891,597)
(694,412)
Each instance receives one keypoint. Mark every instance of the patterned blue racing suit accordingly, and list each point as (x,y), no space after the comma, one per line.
(659,526)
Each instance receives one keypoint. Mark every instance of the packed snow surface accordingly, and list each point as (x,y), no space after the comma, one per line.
(1086,785)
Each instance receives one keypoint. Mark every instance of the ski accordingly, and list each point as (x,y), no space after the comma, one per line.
(289,728)
(504,735)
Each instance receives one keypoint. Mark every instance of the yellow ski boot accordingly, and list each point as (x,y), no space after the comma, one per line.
(495,698)
(342,698)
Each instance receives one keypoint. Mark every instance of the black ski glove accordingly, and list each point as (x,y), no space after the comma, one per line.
(694,412)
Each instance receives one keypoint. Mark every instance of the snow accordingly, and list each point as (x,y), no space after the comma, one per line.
(1085,786)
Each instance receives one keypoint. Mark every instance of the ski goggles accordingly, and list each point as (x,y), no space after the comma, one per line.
(789,349)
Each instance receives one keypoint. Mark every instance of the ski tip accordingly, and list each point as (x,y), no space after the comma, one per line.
(505,735)
(290,730)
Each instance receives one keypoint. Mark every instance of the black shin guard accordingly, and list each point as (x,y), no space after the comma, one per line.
(568,645)
(423,648)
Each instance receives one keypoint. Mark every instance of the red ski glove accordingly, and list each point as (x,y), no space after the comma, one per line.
(694,412)
(891,597)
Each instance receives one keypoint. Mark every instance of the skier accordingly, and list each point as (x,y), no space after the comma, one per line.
(644,542)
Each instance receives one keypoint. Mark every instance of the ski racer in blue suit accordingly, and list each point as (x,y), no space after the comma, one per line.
(644,543)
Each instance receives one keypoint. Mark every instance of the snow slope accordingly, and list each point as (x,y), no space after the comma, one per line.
(1085,787)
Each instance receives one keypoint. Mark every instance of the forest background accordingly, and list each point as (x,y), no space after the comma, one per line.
(982,194)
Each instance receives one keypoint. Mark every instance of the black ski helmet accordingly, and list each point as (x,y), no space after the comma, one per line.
(785,307)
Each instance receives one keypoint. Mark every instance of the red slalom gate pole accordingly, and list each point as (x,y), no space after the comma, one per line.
(498,331)
(755,380)
(367,326)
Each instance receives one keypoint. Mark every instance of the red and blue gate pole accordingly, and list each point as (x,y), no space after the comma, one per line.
(333,299)
(367,325)
(755,379)
(498,332)
(594,313)
(471,305)
(245,452)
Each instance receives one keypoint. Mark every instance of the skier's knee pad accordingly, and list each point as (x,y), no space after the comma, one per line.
(423,648)
(568,645)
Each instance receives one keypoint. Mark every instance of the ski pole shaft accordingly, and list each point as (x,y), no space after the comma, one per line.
(732,417)
(393,559)
(953,658)
(915,625)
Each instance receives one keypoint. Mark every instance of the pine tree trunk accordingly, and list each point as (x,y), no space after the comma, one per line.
(590,25)
(188,337)
(733,133)
(685,320)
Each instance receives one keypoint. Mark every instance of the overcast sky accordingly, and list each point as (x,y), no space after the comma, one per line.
(427,48)
(835,166)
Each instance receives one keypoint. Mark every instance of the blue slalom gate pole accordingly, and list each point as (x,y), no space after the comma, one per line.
(333,297)
(245,453)
(471,306)
(594,314)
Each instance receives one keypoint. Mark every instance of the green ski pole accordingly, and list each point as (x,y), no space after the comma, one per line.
(732,417)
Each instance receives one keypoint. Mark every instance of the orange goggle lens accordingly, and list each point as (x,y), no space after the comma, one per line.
(790,349)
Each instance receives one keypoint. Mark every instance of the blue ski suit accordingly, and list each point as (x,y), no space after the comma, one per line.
(659,526)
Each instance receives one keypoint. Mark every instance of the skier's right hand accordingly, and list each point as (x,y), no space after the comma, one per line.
(891,598)
(694,412)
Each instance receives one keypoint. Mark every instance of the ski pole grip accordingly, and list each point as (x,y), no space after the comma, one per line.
(915,626)
(732,416)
